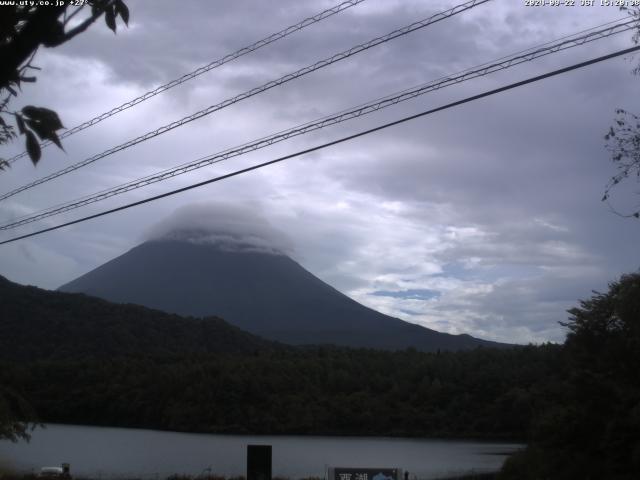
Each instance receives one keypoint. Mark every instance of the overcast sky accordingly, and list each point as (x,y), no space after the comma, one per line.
(483,219)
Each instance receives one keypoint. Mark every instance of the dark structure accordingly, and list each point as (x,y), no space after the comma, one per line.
(258,462)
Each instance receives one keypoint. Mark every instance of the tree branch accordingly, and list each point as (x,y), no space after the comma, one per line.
(75,12)
(27,40)
(80,28)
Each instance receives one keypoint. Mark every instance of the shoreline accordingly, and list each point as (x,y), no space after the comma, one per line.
(391,436)
(34,476)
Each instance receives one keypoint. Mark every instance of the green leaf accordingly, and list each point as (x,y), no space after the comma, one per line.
(110,19)
(33,148)
(54,35)
(44,133)
(53,136)
(50,114)
(50,119)
(30,111)
(20,123)
(38,127)
(123,11)
(44,123)
(47,117)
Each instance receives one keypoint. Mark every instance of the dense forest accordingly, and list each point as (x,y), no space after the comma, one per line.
(485,393)
(577,405)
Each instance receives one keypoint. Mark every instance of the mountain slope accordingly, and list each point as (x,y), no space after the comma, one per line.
(266,294)
(37,324)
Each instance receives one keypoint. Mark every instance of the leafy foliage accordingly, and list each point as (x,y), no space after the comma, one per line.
(15,413)
(623,139)
(592,429)
(623,142)
(485,393)
(24,27)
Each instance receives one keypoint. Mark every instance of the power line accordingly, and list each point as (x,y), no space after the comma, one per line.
(273,83)
(363,109)
(622,24)
(356,112)
(205,68)
(334,142)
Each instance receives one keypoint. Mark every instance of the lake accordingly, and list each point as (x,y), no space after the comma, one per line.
(148,454)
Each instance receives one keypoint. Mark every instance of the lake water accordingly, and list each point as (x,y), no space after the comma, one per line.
(149,454)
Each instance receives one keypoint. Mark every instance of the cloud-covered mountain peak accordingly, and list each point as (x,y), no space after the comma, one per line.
(233,228)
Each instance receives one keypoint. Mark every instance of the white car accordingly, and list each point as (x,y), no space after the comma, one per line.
(54,472)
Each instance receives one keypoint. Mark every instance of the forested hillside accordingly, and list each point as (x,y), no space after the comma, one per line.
(37,324)
(484,393)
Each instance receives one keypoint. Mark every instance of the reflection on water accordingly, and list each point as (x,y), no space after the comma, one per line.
(120,452)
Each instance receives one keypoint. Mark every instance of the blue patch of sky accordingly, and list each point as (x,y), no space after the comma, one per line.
(411,294)
(456,270)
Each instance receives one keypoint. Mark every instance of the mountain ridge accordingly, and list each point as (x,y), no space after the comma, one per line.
(37,324)
(266,294)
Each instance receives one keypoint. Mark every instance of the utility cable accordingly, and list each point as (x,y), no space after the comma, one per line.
(199,71)
(356,112)
(334,142)
(250,93)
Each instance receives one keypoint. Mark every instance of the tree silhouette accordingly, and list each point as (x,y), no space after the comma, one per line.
(23,29)
(591,428)
(15,416)
(623,140)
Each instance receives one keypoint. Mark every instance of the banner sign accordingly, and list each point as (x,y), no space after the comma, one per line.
(365,474)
